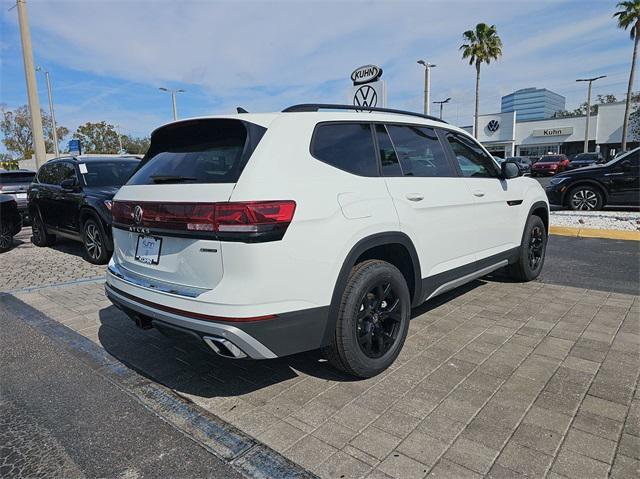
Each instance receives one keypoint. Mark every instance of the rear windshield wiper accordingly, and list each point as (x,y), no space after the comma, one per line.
(172,179)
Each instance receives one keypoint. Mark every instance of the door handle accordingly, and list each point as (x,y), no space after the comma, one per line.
(478,193)
(415,197)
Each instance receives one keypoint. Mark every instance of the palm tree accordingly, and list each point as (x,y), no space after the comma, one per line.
(629,16)
(481,46)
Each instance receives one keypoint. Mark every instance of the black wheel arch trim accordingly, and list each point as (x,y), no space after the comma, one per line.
(365,244)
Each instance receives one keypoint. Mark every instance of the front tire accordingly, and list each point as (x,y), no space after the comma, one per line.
(532,251)
(585,198)
(94,241)
(6,236)
(373,320)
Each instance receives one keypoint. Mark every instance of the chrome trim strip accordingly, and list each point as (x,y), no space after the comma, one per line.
(247,343)
(466,278)
(155,285)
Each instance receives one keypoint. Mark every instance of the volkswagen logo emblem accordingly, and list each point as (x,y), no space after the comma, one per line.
(365,96)
(137,214)
(493,126)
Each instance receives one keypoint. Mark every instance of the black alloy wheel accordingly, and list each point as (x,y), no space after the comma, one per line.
(378,321)
(6,236)
(536,247)
(530,259)
(94,240)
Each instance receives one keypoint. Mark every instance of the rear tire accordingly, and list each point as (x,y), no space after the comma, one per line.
(7,230)
(39,236)
(532,251)
(373,320)
(94,241)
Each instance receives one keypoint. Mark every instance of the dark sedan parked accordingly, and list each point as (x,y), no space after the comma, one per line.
(16,183)
(614,183)
(585,159)
(71,197)
(523,162)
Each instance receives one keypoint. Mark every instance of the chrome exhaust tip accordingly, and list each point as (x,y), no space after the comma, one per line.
(224,347)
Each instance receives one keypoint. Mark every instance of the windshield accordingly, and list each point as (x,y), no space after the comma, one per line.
(631,155)
(585,157)
(551,159)
(107,173)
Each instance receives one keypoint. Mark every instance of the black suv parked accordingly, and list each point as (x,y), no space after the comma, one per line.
(16,183)
(71,197)
(590,188)
(10,221)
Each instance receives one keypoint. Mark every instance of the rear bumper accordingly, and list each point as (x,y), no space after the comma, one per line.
(282,335)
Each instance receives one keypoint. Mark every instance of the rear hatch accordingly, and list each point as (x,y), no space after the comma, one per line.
(163,218)
(16,183)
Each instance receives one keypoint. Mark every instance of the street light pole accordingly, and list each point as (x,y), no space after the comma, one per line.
(586,127)
(442,102)
(32,86)
(51,112)
(173,100)
(427,84)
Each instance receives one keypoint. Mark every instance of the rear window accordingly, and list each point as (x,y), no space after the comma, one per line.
(347,146)
(16,177)
(551,159)
(198,151)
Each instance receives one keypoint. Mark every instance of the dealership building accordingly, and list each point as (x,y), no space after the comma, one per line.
(504,134)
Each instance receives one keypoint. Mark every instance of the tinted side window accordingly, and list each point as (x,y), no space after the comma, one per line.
(45,174)
(388,157)
(347,146)
(61,172)
(419,151)
(473,161)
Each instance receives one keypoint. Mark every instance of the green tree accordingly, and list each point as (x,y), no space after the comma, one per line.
(135,145)
(16,130)
(100,137)
(582,109)
(628,15)
(481,46)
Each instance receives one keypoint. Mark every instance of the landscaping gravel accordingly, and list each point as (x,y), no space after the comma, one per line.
(606,220)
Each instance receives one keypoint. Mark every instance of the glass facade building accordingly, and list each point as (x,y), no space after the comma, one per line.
(533,103)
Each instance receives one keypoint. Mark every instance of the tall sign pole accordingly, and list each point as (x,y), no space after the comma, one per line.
(586,122)
(32,87)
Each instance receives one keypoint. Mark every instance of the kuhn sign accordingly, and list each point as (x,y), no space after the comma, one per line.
(564,130)
(366,74)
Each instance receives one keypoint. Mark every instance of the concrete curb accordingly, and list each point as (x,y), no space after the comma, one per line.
(247,455)
(595,233)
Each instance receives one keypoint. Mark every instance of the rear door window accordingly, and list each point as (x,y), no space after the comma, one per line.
(388,157)
(198,151)
(420,151)
(347,146)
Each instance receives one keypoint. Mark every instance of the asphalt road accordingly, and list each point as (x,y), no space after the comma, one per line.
(604,264)
(59,418)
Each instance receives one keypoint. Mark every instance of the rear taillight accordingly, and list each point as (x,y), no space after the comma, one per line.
(253,221)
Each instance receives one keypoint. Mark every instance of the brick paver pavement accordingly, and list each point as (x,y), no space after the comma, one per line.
(496,379)
(27,266)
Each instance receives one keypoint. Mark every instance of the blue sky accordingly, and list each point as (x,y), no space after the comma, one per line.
(107,58)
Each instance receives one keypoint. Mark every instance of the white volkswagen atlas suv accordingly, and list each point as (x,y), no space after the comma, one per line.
(264,235)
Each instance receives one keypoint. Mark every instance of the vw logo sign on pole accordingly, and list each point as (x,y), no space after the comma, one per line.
(493,126)
(368,90)
(365,96)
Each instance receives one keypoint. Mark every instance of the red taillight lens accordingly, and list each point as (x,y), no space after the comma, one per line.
(239,221)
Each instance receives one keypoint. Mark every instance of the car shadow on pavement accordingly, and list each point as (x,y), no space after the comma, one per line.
(188,366)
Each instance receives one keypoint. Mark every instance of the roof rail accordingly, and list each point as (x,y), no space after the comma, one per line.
(328,106)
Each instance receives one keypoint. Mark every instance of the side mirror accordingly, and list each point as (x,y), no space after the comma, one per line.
(68,184)
(509,169)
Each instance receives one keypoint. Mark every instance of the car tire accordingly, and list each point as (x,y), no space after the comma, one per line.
(373,320)
(532,251)
(94,242)
(6,235)
(585,198)
(39,235)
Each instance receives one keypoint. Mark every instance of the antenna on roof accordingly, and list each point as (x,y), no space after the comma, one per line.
(239,109)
